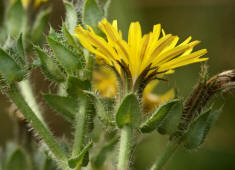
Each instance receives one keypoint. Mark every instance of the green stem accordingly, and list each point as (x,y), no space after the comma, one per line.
(38,126)
(80,127)
(27,93)
(125,148)
(170,150)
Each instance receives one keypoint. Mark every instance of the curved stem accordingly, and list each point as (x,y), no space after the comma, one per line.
(38,126)
(170,150)
(125,148)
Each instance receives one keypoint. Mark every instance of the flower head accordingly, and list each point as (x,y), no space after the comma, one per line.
(143,57)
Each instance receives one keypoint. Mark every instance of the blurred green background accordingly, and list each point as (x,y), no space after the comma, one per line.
(210,21)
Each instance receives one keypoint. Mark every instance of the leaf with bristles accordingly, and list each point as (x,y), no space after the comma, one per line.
(78,160)
(66,106)
(71,17)
(210,122)
(101,111)
(68,59)
(20,50)
(92,14)
(129,112)
(68,37)
(49,67)
(9,69)
(39,26)
(75,86)
(157,117)
(171,122)
(195,135)
(15,19)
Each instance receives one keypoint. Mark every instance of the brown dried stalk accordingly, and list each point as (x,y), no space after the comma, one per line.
(205,90)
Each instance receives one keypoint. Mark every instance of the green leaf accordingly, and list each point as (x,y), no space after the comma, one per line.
(66,106)
(17,161)
(15,19)
(103,153)
(9,69)
(92,14)
(171,122)
(71,17)
(68,59)
(78,160)
(76,86)
(39,26)
(20,50)
(129,112)
(68,37)
(158,116)
(210,122)
(49,67)
(101,112)
(194,137)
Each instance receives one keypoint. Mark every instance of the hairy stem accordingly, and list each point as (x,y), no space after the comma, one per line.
(27,93)
(169,151)
(38,126)
(80,127)
(125,148)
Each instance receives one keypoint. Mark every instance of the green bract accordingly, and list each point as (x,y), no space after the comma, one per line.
(157,118)
(72,62)
(129,112)
(49,67)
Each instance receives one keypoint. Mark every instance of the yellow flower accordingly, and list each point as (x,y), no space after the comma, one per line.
(143,57)
(151,100)
(38,2)
(26,3)
(104,81)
